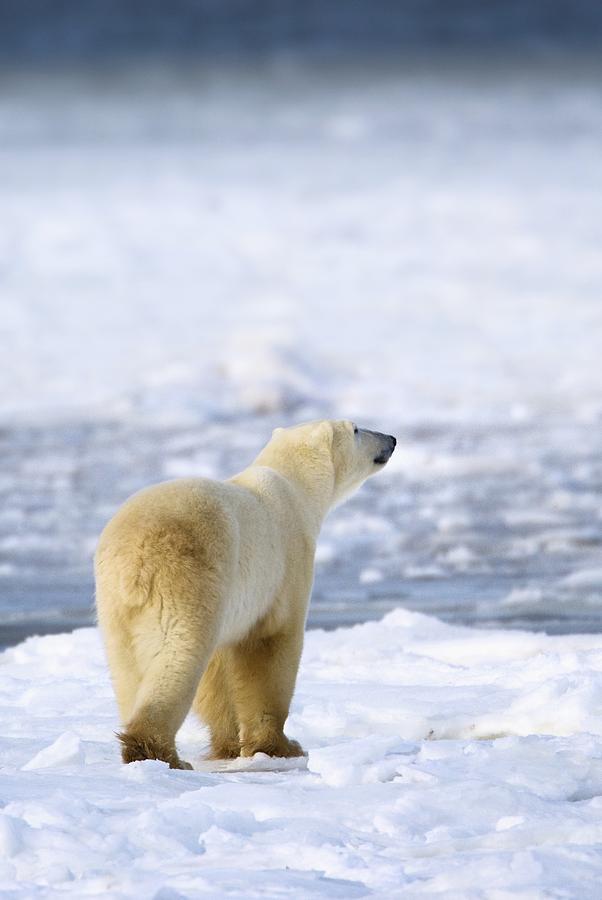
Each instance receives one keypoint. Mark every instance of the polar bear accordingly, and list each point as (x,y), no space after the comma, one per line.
(202,590)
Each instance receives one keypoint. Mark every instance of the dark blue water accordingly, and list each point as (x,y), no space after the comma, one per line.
(34,30)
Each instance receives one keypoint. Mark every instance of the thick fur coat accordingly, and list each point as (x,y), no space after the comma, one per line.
(202,590)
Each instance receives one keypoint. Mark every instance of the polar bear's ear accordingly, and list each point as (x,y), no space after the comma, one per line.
(277,431)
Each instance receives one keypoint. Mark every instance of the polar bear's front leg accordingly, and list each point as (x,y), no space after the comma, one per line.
(264,671)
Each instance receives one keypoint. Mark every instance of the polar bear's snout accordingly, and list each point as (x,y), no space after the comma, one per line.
(386,446)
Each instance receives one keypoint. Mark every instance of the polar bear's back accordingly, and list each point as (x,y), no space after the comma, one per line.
(192,537)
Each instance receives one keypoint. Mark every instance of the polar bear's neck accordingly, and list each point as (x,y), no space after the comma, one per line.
(310,489)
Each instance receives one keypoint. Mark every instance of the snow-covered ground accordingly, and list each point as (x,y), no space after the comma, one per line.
(443,761)
(191,257)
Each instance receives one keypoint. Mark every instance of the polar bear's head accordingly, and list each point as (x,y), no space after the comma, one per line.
(357,453)
(334,455)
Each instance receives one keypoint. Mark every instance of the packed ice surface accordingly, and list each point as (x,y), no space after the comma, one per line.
(442,761)
(192,257)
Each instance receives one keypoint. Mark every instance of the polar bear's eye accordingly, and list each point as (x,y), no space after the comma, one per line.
(355,429)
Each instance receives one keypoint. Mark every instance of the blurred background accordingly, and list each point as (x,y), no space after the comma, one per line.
(219,216)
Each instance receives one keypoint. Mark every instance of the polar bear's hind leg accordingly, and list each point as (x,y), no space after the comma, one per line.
(167,687)
(160,598)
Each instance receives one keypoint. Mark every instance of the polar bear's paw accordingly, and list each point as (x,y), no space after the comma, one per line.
(277,745)
(224,750)
(136,747)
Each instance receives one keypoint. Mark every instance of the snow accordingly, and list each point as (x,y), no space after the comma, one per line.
(442,761)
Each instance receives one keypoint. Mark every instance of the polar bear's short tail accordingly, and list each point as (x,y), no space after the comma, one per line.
(144,566)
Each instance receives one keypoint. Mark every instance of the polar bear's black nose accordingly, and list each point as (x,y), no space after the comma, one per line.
(389,444)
